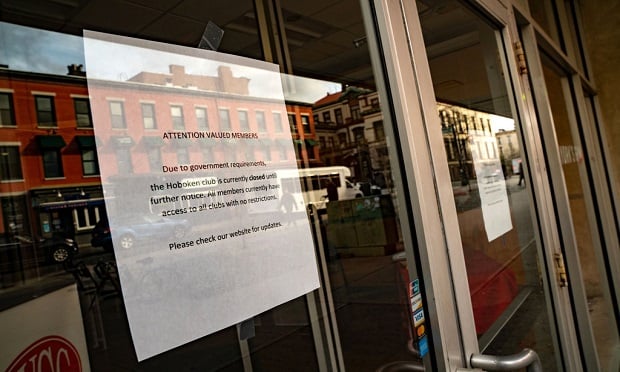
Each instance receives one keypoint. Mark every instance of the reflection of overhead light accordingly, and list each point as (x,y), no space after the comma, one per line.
(303,30)
(59,194)
(359,41)
(452,45)
(449,84)
(82,193)
(241,28)
(71,3)
(294,42)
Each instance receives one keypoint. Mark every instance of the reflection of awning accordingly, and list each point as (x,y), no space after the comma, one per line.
(51,142)
(71,204)
(121,141)
(298,142)
(182,142)
(152,141)
(85,141)
(310,142)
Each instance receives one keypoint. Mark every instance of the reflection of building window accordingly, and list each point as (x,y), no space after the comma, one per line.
(342,139)
(358,134)
(327,117)
(310,152)
(52,163)
(85,218)
(201,118)
(305,122)
(283,155)
(207,155)
(260,121)
(224,120)
(148,116)
(292,120)
(154,155)
(10,163)
(182,155)
(117,114)
(7,115)
(277,122)
(316,118)
(15,215)
(338,113)
(243,120)
(46,115)
(266,153)
(322,142)
(355,112)
(83,117)
(231,155)
(177,117)
(378,128)
(90,164)
(123,161)
(249,153)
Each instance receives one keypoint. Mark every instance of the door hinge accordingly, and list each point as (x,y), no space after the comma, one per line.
(520,54)
(560,270)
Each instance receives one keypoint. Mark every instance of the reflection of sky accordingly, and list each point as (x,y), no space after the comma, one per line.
(265,81)
(29,49)
(501,123)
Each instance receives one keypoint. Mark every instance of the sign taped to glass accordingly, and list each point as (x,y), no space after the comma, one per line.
(190,254)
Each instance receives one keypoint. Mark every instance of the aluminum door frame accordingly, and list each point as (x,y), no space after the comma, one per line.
(408,86)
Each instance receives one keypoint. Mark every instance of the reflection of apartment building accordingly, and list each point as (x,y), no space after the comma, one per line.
(303,131)
(350,132)
(349,127)
(49,173)
(509,151)
(133,115)
(458,125)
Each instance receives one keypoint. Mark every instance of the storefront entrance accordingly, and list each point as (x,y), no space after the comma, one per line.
(434,219)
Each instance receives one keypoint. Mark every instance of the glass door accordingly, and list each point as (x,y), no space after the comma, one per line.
(483,137)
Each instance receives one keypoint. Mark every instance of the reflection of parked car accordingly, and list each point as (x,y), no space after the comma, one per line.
(59,248)
(127,231)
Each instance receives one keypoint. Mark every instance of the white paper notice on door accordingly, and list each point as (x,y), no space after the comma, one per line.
(491,184)
(192,147)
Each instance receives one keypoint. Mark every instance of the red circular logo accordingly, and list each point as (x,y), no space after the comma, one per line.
(48,354)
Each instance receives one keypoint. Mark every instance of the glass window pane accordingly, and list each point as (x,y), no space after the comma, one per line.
(10,163)
(201,118)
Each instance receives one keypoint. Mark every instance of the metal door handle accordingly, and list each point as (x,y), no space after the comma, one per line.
(526,358)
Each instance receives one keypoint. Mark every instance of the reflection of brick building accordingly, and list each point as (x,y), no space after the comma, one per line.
(49,174)
(133,115)
(350,132)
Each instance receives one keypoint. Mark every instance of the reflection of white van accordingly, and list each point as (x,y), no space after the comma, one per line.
(314,183)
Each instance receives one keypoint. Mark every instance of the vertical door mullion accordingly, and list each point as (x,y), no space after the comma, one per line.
(407,86)
(607,246)
(567,244)
(560,319)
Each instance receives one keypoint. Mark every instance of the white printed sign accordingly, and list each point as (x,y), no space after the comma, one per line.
(491,184)
(191,146)
(44,334)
